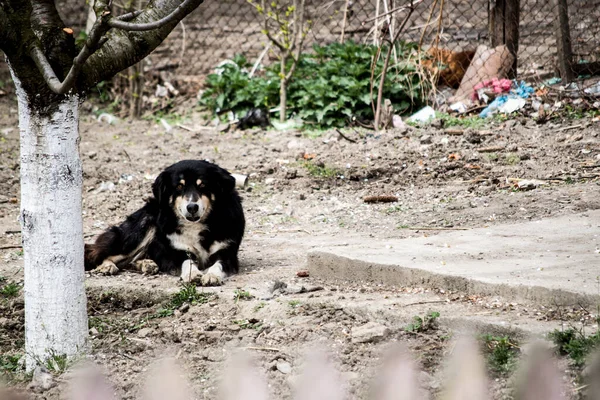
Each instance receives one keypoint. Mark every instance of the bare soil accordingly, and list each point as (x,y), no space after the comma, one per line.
(306,190)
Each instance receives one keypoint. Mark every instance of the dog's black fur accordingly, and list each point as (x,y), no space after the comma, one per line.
(224,222)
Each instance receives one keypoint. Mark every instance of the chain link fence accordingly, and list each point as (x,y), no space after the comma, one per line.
(218,30)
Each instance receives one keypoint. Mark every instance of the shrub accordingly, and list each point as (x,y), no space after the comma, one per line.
(330,85)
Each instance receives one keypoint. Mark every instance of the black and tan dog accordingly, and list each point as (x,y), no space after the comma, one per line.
(193,226)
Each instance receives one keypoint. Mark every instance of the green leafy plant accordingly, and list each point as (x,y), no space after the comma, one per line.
(423,324)
(9,363)
(575,343)
(10,289)
(251,323)
(502,353)
(319,171)
(240,294)
(331,85)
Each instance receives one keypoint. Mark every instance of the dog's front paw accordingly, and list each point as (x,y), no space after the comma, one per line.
(106,268)
(146,267)
(190,272)
(211,280)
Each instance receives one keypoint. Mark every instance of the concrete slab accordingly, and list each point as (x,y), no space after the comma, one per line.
(554,261)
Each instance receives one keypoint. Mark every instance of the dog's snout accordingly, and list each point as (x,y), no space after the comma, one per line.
(192,208)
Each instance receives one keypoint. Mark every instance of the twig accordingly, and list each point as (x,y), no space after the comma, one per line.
(380,199)
(185,128)
(261,348)
(426,228)
(344,136)
(416,303)
(393,10)
(344,21)
(566,128)
(11,232)
(10,247)
(178,13)
(259,59)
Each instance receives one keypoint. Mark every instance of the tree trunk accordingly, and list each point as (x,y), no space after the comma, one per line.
(282,91)
(52,229)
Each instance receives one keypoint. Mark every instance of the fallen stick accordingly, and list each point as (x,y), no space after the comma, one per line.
(490,149)
(345,137)
(186,128)
(380,199)
(454,132)
(566,128)
(261,348)
(10,247)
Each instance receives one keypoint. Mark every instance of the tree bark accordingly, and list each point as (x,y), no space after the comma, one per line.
(52,230)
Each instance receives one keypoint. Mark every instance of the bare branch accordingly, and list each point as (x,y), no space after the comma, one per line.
(177,15)
(94,41)
(129,16)
(266,28)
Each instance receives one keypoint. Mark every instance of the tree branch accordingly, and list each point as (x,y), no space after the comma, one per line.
(125,48)
(94,41)
(175,16)
(267,32)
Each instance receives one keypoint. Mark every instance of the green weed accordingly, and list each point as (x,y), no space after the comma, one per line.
(502,353)
(319,171)
(512,159)
(251,323)
(10,290)
(423,324)
(294,303)
(260,306)
(189,294)
(575,344)
(240,294)
(57,363)
(9,363)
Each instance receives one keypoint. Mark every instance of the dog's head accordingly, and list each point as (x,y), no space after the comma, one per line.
(192,187)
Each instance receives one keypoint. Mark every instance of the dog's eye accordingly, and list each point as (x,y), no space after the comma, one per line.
(179,187)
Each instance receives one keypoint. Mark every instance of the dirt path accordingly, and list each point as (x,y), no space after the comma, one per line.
(444,180)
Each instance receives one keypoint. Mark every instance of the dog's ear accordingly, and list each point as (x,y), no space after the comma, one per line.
(161,187)
(226,181)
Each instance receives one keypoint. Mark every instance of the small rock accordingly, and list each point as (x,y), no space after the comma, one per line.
(425,139)
(269,181)
(291,174)
(512,147)
(302,273)
(511,123)
(184,308)
(42,380)
(284,367)
(3,322)
(301,196)
(144,332)
(371,332)
(91,154)
(94,332)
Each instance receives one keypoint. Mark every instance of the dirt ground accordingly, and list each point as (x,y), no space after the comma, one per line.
(306,190)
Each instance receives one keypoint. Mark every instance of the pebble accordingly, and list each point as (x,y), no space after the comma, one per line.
(284,367)
(42,380)
(144,332)
(425,139)
(371,332)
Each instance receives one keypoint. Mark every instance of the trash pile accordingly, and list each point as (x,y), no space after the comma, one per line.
(484,89)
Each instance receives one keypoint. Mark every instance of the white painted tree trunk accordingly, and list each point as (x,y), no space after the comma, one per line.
(51,222)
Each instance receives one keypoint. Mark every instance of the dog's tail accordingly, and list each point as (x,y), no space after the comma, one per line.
(107,244)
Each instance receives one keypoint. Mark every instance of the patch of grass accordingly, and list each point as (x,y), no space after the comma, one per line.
(490,157)
(395,209)
(569,180)
(19,253)
(260,306)
(189,294)
(502,353)
(294,303)
(9,363)
(474,121)
(57,363)
(575,344)
(10,289)
(319,171)
(240,294)
(251,323)
(512,159)
(423,324)
(2,279)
